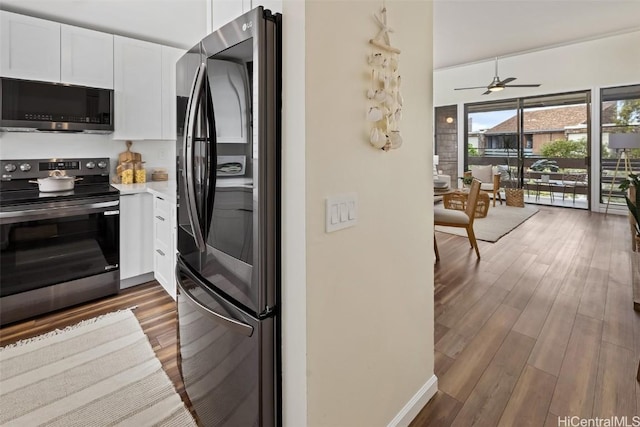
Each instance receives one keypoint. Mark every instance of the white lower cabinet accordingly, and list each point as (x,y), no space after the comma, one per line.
(164,246)
(136,237)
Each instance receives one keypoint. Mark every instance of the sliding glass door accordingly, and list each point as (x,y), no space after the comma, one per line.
(557,129)
(539,143)
(492,138)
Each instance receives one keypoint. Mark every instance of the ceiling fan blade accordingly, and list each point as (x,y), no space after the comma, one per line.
(497,84)
(473,87)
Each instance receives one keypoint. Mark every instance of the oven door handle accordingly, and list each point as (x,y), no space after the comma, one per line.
(49,212)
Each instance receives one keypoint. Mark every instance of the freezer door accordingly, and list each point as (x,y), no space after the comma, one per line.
(226,358)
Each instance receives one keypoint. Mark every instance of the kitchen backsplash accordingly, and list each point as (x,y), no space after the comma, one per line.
(36,145)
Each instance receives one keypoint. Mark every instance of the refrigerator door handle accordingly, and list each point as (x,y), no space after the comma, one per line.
(231,324)
(188,149)
(212,153)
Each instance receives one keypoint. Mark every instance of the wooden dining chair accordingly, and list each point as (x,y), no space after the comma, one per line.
(462,219)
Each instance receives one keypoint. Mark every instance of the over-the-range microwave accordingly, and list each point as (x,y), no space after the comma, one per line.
(54,107)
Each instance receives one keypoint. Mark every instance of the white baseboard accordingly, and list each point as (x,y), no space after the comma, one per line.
(416,403)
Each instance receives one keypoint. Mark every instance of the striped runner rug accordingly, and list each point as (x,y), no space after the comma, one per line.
(99,372)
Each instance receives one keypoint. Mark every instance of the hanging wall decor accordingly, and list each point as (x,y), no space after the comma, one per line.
(384,109)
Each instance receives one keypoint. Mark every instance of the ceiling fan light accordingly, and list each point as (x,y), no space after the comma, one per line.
(496,88)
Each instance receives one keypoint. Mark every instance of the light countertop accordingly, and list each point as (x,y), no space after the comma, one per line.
(164,189)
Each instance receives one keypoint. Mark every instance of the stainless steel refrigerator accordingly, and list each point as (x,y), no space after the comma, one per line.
(228,222)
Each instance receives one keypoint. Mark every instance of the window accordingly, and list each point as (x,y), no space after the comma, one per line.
(619,113)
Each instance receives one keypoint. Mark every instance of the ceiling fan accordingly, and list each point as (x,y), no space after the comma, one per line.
(497,84)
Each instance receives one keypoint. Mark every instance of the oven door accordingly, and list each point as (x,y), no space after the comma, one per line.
(51,243)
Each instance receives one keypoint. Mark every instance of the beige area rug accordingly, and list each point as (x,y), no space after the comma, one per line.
(99,372)
(499,221)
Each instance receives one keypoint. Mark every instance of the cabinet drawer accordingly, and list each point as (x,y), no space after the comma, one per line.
(162,208)
(162,231)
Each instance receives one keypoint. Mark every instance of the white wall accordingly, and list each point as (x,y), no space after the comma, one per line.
(610,61)
(370,315)
(294,289)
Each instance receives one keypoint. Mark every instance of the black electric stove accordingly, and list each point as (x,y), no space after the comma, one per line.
(58,248)
(15,188)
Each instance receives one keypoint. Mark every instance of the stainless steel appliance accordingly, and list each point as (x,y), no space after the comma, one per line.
(228,268)
(56,248)
(29,106)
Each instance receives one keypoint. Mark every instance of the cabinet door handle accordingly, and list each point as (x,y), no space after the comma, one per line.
(160,252)
(160,218)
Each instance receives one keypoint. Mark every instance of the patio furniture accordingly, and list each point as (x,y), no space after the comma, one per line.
(544,183)
(462,219)
(571,182)
(489,180)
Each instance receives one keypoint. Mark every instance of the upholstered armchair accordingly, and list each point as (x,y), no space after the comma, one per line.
(489,180)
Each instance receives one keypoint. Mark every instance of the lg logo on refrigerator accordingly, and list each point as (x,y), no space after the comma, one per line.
(247,25)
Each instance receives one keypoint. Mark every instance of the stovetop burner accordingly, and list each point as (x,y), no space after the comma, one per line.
(15,188)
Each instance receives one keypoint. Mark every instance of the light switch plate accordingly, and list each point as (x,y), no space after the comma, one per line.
(341,211)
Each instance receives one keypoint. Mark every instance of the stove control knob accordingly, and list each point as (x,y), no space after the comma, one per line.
(91,165)
(10,167)
(25,167)
(102,164)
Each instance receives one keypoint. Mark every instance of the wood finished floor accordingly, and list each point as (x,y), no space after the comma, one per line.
(543,326)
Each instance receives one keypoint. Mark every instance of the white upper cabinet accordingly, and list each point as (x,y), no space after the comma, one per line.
(170,56)
(29,48)
(224,11)
(275,6)
(86,57)
(138,89)
(37,49)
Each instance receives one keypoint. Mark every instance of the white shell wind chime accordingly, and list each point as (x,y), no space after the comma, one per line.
(385,99)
